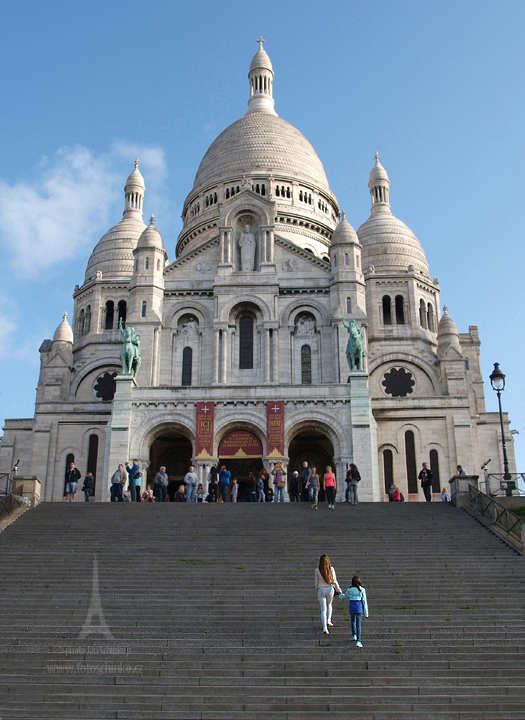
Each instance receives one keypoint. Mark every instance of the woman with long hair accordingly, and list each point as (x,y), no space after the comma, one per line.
(325,584)
(329,487)
(355,477)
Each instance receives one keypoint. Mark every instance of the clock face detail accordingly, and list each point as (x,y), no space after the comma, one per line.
(398,382)
(106,386)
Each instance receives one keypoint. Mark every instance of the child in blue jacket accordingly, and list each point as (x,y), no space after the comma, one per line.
(357,607)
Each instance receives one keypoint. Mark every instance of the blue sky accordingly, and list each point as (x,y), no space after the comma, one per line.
(436,87)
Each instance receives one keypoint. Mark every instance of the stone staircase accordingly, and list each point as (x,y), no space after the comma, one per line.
(211,614)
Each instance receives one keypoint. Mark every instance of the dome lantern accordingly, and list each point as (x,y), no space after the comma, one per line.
(63,333)
(379,184)
(261,82)
(134,191)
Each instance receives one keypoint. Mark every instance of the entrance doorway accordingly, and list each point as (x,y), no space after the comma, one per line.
(173,450)
(241,452)
(314,447)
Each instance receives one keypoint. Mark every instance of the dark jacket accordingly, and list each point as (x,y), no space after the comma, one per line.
(303,476)
(426,477)
(72,475)
(89,482)
(293,484)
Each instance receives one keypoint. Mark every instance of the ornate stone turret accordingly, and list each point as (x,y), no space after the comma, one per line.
(379,185)
(261,83)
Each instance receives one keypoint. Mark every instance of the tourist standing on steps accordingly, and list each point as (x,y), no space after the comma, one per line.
(329,487)
(357,607)
(116,484)
(235,489)
(279,482)
(200,493)
(445,495)
(132,474)
(213,484)
(89,486)
(72,478)
(191,480)
(425,475)
(303,481)
(138,485)
(160,485)
(260,488)
(224,483)
(293,487)
(313,486)
(325,584)
(355,477)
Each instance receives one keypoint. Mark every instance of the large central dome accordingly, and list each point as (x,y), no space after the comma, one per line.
(264,142)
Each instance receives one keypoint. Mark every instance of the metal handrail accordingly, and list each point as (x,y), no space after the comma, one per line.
(11,502)
(498,514)
(8,484)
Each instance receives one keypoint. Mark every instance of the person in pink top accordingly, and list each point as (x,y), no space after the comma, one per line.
(329,486)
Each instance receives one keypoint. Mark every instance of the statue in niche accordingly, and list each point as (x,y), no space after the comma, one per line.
(190,328)
(130,351)
(355,347)
(305,327)
(247,245)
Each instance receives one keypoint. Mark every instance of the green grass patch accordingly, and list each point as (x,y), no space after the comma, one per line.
(405,607)
(468,607)
(192,560)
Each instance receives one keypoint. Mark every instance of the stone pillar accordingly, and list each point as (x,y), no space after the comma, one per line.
(225,343)
(267,355)
(117,445)
(216,359)
(459,489)
(340,473)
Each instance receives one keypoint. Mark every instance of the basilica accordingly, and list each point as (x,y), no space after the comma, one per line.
(246,338)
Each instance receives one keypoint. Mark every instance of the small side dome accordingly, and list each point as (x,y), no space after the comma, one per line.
(63,333)
(151,237)
(447,333)
(344,232)
(135,179)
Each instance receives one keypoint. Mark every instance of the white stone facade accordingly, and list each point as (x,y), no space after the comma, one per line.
(252,311)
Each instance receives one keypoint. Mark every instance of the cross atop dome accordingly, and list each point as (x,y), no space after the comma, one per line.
(261,40)
(377,158)
(137,163)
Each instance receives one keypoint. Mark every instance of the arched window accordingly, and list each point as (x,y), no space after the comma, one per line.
(263,189)
(422,314)
(400,310)
(227,193)
(434,466)
(81,318)
(158,265)
(387,312)
(410,454)
(143,314)
(347,259)
(388,468)
(122,310)
(110,309)
(70,459)
(92,459)
(146,264)
(187,358)
(87,320)
(277,191)
(246,343)
(306,365)
(349,306)
(430,317)
(288,193)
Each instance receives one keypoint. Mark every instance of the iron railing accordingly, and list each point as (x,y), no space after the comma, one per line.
(497,514)
(491,485)
(11,502)
(6,484)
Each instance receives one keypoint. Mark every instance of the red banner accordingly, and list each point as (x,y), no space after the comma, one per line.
(204,431)
(275,430)
(240,444)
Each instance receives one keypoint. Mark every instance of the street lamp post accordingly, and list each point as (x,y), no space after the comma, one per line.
(497,380)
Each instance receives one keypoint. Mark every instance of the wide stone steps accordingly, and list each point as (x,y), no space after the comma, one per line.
(213,614)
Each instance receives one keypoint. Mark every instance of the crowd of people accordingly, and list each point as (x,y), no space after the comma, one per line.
(304,486)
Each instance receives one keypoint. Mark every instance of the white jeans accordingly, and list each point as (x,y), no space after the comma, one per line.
(325,595)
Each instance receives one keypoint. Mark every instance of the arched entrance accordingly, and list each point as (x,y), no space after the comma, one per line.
(241,451)
(314,447)
(173,450)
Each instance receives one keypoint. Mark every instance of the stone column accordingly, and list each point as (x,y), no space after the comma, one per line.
(117,442)
(340,474)
(267,355)
(225,342)
(216,359)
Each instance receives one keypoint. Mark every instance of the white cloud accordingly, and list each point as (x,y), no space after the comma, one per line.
(69,203)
